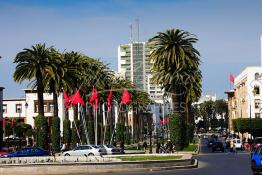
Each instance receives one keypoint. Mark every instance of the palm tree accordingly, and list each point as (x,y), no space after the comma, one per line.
(173,54)
(33,64)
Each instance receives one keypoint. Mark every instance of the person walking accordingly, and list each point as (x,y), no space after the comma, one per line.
(145,146)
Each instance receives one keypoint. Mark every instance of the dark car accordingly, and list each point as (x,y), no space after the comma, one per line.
(27,152)
(210,142)
(257,143)
(218,146)
(256,163)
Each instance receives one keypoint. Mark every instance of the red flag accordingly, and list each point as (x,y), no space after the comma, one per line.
(66,100)
(109,100)
(12,122)
(94,100)
(3,122)
(76,98)
(125,97)
(232,78)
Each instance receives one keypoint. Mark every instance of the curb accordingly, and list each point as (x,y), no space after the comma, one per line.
(47,169)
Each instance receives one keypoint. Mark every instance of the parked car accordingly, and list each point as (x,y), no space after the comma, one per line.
(3,153)
(210,142)
(257,143)
(85,150)
(218,146)
(238,144)
(256,163)
(27,152)
(110,149)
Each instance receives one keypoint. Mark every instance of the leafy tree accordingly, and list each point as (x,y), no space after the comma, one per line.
(119,132)
(41,127)
(55,134)
(33,64)
(177,130)
(66,132)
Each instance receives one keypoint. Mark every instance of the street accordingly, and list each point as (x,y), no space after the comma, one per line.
(212,164)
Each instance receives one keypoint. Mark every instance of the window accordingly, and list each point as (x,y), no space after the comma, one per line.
(4,108)
(257,76)
(257,115)
(48,106)
(256,90)
(257,103)
(18,108)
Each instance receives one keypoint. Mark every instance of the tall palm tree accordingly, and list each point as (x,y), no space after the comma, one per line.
(172,54)
(33,64)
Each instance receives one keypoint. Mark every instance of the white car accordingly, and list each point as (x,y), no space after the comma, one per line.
(110,149)
(85,150)
(237,143)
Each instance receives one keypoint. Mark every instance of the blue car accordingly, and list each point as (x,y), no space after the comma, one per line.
(256,160)
(28,152)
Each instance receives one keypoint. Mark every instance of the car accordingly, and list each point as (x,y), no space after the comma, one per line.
(257,143)
(256,160)
(3,153)
(210,142)
(85,150)
(218,146)
(110,149)
(238,144)
(27,152)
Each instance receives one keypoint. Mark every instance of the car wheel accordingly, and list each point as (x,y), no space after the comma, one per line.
(67,154)
(90,154)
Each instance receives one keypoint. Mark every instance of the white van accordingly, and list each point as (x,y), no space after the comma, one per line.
(238,144)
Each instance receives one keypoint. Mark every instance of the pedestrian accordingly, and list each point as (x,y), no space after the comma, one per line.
(234,149)
(145,146)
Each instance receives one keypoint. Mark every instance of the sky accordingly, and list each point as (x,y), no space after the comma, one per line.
(228,32)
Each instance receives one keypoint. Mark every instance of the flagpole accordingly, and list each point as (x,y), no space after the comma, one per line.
(96,127)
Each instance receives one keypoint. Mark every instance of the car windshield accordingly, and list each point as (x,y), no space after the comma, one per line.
(110,146)
(95,146)
(258,140)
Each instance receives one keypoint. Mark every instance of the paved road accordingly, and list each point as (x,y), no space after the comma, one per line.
(212,164)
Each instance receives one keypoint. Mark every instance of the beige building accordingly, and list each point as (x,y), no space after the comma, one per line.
(244,101)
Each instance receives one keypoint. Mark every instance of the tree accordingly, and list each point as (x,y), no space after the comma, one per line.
(66,133)
(174,58)
(55,134)
(41,127)
(176,129)
(33,64)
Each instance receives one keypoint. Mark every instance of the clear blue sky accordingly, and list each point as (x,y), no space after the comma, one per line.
(228,31)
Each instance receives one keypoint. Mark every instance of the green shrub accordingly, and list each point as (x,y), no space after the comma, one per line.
(55,134)
(41,128)
(66,132)
(177,130)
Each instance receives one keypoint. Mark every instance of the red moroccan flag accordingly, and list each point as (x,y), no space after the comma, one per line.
(109,100)
(3,122)
(125,97)
(66,100)
(232,78)
(92,99)
(12,122)
(96,99)
(76,98)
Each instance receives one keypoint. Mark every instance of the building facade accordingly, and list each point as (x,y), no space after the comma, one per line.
(134,65)
(244,101)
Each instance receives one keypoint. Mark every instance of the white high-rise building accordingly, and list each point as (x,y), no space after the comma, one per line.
(134,65)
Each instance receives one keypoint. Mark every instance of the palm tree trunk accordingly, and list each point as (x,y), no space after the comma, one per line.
(55,104)
(40,92)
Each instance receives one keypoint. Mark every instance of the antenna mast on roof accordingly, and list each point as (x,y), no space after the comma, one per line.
(131,33)
(137,23)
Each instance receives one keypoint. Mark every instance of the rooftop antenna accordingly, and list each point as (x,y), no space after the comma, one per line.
(131,33)
(137,22)
(261,49)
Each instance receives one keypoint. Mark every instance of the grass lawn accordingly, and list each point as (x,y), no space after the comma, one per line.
(191,147)
(138,158)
